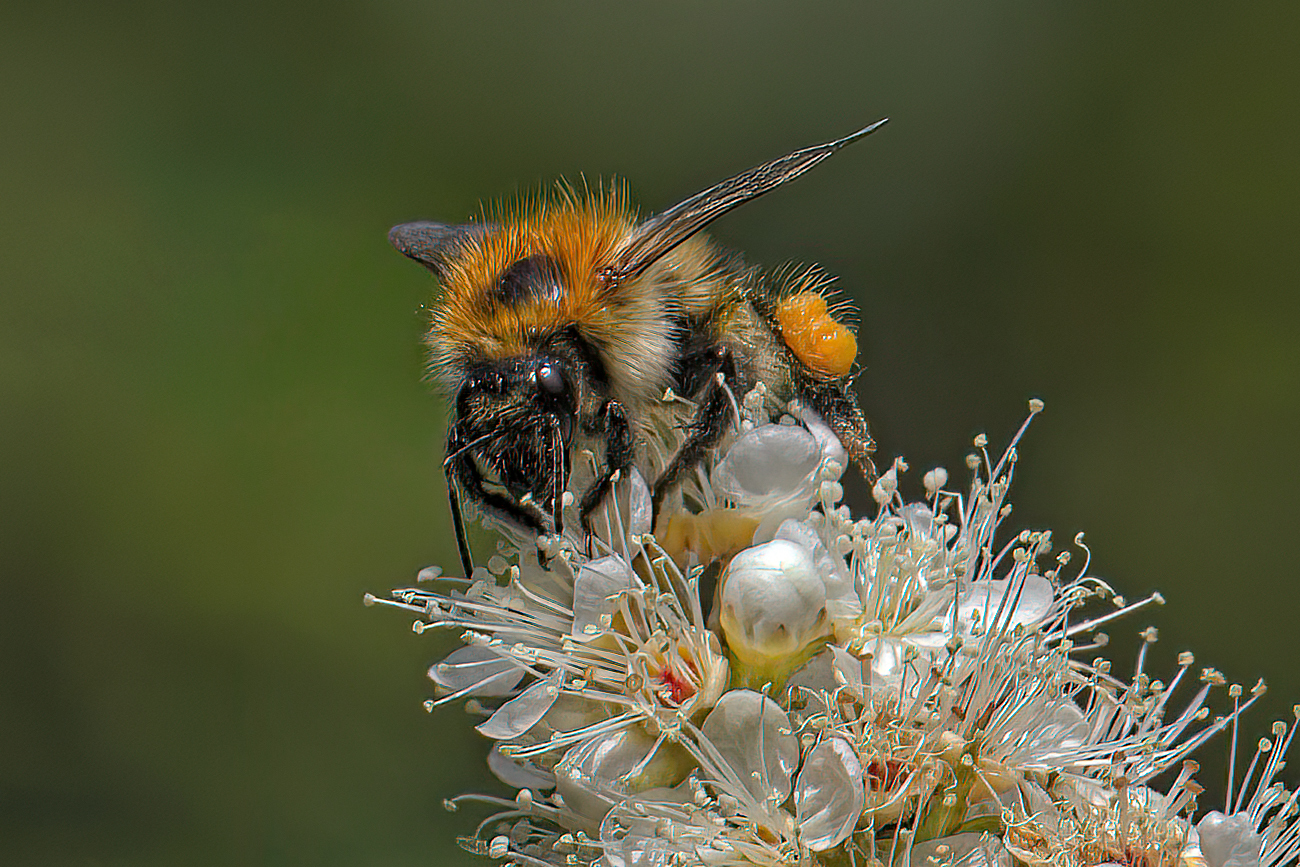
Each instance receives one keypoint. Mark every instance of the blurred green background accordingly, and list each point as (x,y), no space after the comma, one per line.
(216,437)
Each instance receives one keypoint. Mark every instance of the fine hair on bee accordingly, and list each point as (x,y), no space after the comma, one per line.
(564,322)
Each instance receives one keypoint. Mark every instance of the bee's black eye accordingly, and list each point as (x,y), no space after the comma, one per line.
(550,378)
(489,383)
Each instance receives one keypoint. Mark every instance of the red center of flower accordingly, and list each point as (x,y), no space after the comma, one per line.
(678,689)
(884,775)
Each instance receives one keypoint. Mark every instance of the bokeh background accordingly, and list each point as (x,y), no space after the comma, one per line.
(216,436)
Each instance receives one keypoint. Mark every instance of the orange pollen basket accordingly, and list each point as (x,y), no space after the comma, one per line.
(825,346)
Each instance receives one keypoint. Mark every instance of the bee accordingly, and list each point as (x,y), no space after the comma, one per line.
(564,323)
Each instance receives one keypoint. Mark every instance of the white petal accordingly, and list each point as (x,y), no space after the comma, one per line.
(1082,790)
(768,461)
(1045,737)
(639,847)
(554,581)
(587,776)
(929,617)
(571,712)
(593,590)
(886,657)
(630,836)
(598,773)
(520,775)
(984,598)
(927,641)
(830,568)
(827,442)
(963,850)
(639,517)
(753,736)
(848,671)
(920,523)
(478,669)
(818,673)
(1039,804)
(524,710)
(829,794)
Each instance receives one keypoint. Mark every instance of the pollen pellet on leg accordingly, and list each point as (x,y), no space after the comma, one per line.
(824,346)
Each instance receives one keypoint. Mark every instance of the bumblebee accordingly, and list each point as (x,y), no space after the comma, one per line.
(564,322)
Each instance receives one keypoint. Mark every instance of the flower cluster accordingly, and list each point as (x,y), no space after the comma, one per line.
(755,676)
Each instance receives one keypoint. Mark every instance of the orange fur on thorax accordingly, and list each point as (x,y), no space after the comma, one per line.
(578,234)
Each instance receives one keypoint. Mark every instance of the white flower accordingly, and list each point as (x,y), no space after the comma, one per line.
(901,688)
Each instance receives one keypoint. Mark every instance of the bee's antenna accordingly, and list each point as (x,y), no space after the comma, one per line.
(665,230)
(557,477)
(458,523)
(469,445)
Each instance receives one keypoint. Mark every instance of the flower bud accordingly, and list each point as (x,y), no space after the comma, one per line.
(773,611)
(1229,840)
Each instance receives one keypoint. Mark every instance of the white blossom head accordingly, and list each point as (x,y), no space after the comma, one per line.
(768,678)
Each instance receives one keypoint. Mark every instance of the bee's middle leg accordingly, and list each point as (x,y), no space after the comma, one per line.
(715,415)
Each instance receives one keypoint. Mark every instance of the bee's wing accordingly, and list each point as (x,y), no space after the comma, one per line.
(665,230)
(433,245)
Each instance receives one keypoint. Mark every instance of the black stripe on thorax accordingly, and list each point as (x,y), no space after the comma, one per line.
(534,278)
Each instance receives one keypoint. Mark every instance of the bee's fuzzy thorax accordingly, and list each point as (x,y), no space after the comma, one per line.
(580,233)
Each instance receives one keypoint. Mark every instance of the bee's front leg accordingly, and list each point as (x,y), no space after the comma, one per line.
(618,459)
(463,476)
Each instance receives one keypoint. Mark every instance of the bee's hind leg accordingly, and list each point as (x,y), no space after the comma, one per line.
(836,404)
(716,413)
(618,459)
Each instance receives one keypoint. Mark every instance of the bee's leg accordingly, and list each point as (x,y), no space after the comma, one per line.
(463,474)
(716,413)
(618,459)
(835,403)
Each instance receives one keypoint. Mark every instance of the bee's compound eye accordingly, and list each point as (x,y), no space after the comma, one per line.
(488,383)
(550,379)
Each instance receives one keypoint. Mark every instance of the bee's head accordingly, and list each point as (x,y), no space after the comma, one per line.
(514,422)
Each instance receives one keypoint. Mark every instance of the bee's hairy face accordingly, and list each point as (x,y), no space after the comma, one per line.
(515,417)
